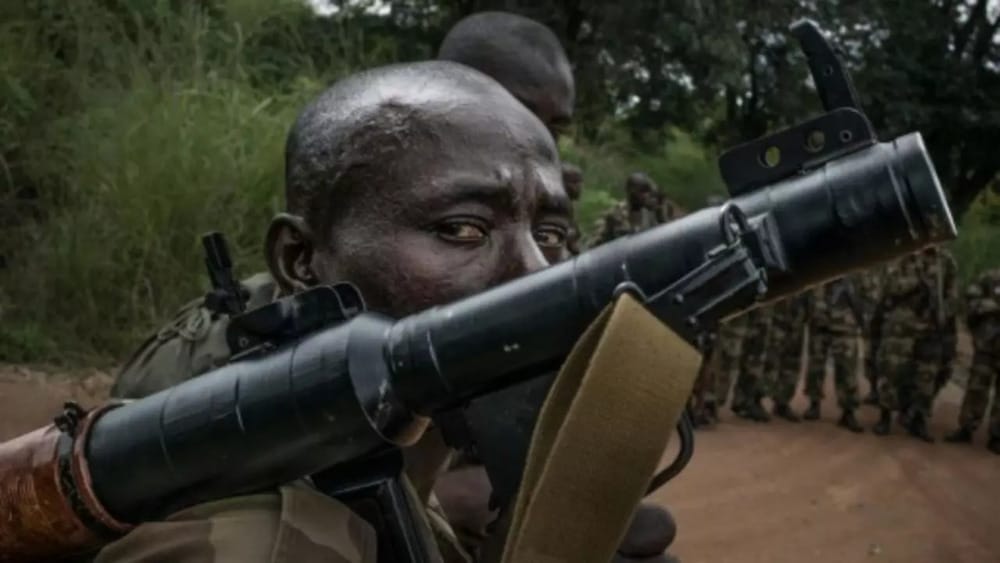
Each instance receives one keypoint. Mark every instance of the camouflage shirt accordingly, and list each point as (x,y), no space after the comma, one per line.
(983,297)
(868,286)
(621,221)
(835,307)
(907,299)
(791,312)
(941,272)
(983,302)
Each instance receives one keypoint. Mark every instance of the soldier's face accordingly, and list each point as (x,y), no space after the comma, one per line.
(642,195)
(572,182)
(479,203)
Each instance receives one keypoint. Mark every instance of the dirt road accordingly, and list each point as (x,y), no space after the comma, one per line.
(760,493)
(811,492)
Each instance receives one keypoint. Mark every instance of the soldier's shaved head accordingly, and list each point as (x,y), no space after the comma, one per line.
(521,54)
(421,183)
(357,134)
(641,191)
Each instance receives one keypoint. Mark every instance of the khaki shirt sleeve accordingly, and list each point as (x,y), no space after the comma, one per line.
(295,524)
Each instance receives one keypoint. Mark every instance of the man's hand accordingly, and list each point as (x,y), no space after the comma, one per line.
(650,533)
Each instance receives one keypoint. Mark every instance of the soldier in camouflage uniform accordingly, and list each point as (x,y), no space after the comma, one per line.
(640,210)
(784,357)
(833,329)
(869,290)
(573,184)
(729,348)
(705,394)
(335,231)
(983,316)
(751,387)
(942,272)
(908,359)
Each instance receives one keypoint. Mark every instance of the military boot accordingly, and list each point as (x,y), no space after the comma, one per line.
(786,412)
(702,419)
(994,444)
(712,411)
(848,421)
(754,411)
(884,423)
(917,427)
(812,413)
(961,436)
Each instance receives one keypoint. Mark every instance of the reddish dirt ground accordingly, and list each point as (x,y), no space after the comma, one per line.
(790,493)
(758,493)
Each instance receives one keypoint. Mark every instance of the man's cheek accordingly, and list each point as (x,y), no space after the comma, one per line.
(441,275)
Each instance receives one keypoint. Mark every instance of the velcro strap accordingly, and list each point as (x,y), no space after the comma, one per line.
(599,437)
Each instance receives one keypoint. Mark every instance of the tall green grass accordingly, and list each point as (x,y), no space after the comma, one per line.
(138,130)
(128,129)
(683,169)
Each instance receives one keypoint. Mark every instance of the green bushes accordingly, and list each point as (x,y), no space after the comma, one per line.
(127,132)
(685,170)
(135,132)
(978,245)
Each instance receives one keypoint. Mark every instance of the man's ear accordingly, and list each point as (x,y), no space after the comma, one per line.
(290,247)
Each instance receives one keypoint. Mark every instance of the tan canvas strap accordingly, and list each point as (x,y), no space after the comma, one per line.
(600,435)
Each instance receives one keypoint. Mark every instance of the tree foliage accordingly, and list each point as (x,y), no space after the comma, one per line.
(727,70)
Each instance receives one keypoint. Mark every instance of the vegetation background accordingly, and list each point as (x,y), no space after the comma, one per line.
(128,128)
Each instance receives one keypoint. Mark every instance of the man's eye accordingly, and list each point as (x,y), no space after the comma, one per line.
(461,231)
(550,236)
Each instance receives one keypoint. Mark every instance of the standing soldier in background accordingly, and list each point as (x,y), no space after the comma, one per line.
(983,303)
(942,271)
(704,408)
(705,394)
(835,317)
(573,184)
(909,355)
(784,357)
(666,209)
(750,384)
(869,289)
(729,347)
(640,210)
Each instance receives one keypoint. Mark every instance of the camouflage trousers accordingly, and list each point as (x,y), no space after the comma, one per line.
(907,368)
(843,348)
(784,361)
(728,347)
(984,376)
(704,391)
(750,384)
(946,361)
(872,343)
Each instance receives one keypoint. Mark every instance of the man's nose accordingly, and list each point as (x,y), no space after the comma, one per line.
(527,257)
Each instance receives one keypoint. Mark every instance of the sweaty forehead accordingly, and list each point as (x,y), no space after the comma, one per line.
(464,148)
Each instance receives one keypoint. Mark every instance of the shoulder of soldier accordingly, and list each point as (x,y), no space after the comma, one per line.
(606,224)
(260,528)
(190,344)
(990,277)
